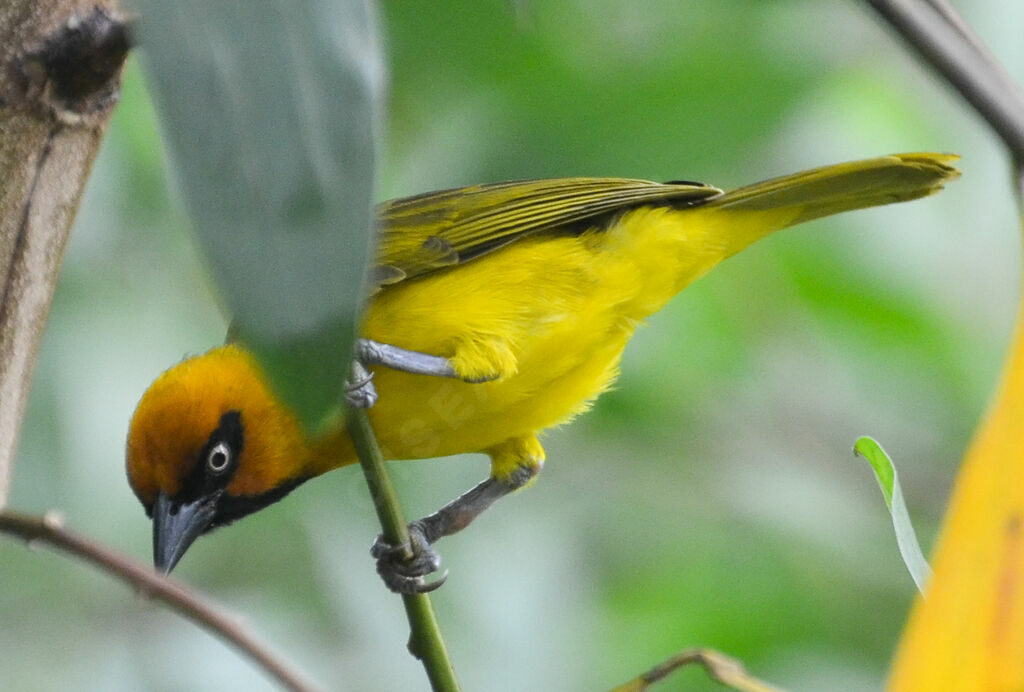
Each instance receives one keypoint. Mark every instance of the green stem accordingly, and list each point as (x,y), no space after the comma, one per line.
(425,642)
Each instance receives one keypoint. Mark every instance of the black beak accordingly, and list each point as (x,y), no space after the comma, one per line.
(176,526)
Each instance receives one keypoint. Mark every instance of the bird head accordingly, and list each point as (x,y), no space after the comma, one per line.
(210,443)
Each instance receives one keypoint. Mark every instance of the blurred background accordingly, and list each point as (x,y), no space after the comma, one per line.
(710,500)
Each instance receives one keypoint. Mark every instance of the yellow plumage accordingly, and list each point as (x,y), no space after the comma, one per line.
(550,316)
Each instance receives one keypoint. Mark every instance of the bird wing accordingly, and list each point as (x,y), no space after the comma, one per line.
(431,231)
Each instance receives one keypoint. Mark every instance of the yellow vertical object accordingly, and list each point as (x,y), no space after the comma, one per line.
(969,633)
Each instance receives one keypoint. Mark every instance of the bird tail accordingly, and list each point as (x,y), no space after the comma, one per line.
(757,210)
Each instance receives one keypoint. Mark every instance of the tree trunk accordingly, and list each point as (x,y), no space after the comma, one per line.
(60,66)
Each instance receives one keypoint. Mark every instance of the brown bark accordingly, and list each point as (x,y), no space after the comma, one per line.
(60,65)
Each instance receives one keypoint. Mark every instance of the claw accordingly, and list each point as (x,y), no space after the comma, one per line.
(359,391)
(409,585)
(404,574)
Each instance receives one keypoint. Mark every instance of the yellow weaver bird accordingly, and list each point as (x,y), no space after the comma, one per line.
(521,295)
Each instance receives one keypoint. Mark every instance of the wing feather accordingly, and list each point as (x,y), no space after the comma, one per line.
(439,229)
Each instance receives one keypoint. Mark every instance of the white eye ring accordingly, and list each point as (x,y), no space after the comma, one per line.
(219,458)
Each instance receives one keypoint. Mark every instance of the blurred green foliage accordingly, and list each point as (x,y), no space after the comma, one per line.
(286,233)
(710,500)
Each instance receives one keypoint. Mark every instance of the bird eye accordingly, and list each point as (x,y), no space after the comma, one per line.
(219,458)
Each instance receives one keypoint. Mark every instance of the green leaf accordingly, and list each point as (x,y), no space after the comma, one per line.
(267,111)
(889,482)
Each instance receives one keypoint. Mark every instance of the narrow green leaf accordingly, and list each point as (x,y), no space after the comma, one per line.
(885,472)
(268,112)
(889,482)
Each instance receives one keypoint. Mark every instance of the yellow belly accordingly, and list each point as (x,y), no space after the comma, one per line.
(419,416)
(549,316)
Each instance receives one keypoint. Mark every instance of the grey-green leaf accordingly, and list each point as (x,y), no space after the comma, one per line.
(889,482)
(268,112)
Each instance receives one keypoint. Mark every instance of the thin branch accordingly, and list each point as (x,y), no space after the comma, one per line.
(953,18)
(719,667)
(1018,178)
(50,529)
(945,40)
(425,642)
(958,23)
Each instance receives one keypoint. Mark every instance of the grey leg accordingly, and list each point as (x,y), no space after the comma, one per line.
(375,353)
(407,576)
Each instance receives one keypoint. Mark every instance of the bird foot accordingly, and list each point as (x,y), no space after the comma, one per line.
(359,390)
(403,574)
